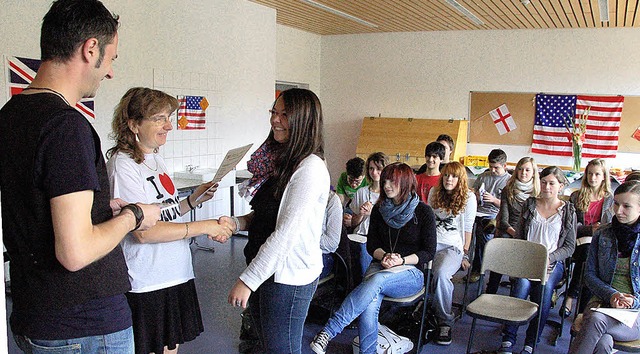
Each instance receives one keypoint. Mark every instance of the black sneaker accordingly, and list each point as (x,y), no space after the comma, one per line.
(320,342)
(444,335)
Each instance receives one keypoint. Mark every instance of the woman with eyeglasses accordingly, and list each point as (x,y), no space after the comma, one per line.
(283,253)
(402,240)
(163,298)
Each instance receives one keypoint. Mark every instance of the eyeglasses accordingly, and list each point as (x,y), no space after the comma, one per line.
(282,115)
(354,181)
(160,120)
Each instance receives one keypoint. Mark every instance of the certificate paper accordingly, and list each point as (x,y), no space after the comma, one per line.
(228,164)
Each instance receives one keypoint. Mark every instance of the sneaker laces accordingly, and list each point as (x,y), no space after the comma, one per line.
(527,349)
(444,331)
(322,339)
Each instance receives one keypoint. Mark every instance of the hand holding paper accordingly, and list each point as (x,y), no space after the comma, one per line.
(229,163)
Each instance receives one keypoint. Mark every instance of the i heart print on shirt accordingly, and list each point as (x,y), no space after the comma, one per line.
(167,183)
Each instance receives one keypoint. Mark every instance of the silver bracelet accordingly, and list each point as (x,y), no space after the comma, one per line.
(235,219)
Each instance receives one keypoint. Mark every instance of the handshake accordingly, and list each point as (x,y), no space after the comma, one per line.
(222,229)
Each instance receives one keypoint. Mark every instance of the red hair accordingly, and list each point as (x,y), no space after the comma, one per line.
(401,174)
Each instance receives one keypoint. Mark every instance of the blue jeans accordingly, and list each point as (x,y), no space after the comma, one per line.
(327,264)
(114,343)
(365,301)
(365,258)
(521,288)
(279,311)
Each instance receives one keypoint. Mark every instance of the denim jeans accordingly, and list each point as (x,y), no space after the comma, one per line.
(446,263)
(521,288)
(365,258)
(114,343)
(365,301)
(327,264)
(278,312)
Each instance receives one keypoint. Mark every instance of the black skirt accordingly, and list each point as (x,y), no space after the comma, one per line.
(165,317)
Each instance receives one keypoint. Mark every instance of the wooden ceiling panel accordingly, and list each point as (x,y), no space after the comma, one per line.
(439,15)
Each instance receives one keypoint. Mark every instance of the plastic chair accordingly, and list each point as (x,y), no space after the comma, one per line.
(422,295)
(515,258)
(330,283)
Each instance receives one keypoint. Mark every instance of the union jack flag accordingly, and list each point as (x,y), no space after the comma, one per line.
(21,73)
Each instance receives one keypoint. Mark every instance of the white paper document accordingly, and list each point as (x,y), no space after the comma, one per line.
(230,161)
(626,316)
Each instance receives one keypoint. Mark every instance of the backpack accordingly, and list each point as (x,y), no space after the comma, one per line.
(388,342)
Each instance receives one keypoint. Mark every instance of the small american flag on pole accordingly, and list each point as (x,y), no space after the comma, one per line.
(191,112)
(21,73)
(503,119)
(550,135)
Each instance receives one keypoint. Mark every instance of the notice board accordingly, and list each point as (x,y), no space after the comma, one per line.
(522,107)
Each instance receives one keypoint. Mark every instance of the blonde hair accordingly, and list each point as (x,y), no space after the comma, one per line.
(510,186)
(455,201)
(585,191)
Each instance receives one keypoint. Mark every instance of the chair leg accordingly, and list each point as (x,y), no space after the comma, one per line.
(473,327)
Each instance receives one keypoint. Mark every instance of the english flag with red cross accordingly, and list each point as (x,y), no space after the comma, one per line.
(503,119)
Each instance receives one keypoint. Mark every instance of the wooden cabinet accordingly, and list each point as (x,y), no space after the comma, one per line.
(404,139)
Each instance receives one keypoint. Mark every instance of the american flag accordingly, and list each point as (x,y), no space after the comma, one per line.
(550,135)
(191,112)
(21,73)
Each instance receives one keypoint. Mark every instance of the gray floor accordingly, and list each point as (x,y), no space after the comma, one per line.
(217,271)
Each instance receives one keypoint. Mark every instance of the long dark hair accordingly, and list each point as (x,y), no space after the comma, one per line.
(304,114)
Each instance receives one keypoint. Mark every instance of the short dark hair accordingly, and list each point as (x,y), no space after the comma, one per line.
(497,156)
(69,23)
(448,139)
(633,176)
(355,167)
(434,148)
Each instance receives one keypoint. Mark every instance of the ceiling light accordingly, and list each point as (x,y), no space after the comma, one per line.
(463,10)
(339,13)
(604,10)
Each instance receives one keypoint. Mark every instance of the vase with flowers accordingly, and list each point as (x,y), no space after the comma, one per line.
(577,134)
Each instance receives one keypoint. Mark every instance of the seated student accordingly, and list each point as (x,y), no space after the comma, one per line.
(402,234)
(455,208)
(594,207)
(612,275)
(448,144)
(547,220)
(524,183)
(434,153)
(348,183)
(363,203)
(331,232)
(488,188)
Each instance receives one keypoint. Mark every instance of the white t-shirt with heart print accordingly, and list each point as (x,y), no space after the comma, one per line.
(152,266)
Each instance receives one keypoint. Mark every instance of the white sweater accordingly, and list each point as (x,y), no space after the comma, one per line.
(292,253)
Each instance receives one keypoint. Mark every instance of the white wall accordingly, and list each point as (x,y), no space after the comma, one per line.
(430,74)
(223,47)
(298,57)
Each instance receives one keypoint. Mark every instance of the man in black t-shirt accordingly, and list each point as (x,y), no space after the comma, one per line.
(67,269)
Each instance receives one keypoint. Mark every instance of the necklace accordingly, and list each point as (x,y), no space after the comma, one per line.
(50,90)
(393,248)
(149,167)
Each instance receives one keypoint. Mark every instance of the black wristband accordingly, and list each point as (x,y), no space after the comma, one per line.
(137,213)
(189,203)
(403,260)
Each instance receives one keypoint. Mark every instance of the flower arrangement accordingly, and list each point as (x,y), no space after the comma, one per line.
(577,136)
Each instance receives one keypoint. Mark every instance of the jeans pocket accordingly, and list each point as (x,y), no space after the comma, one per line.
(52,347)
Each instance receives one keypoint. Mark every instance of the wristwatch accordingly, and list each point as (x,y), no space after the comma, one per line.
(137,212)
